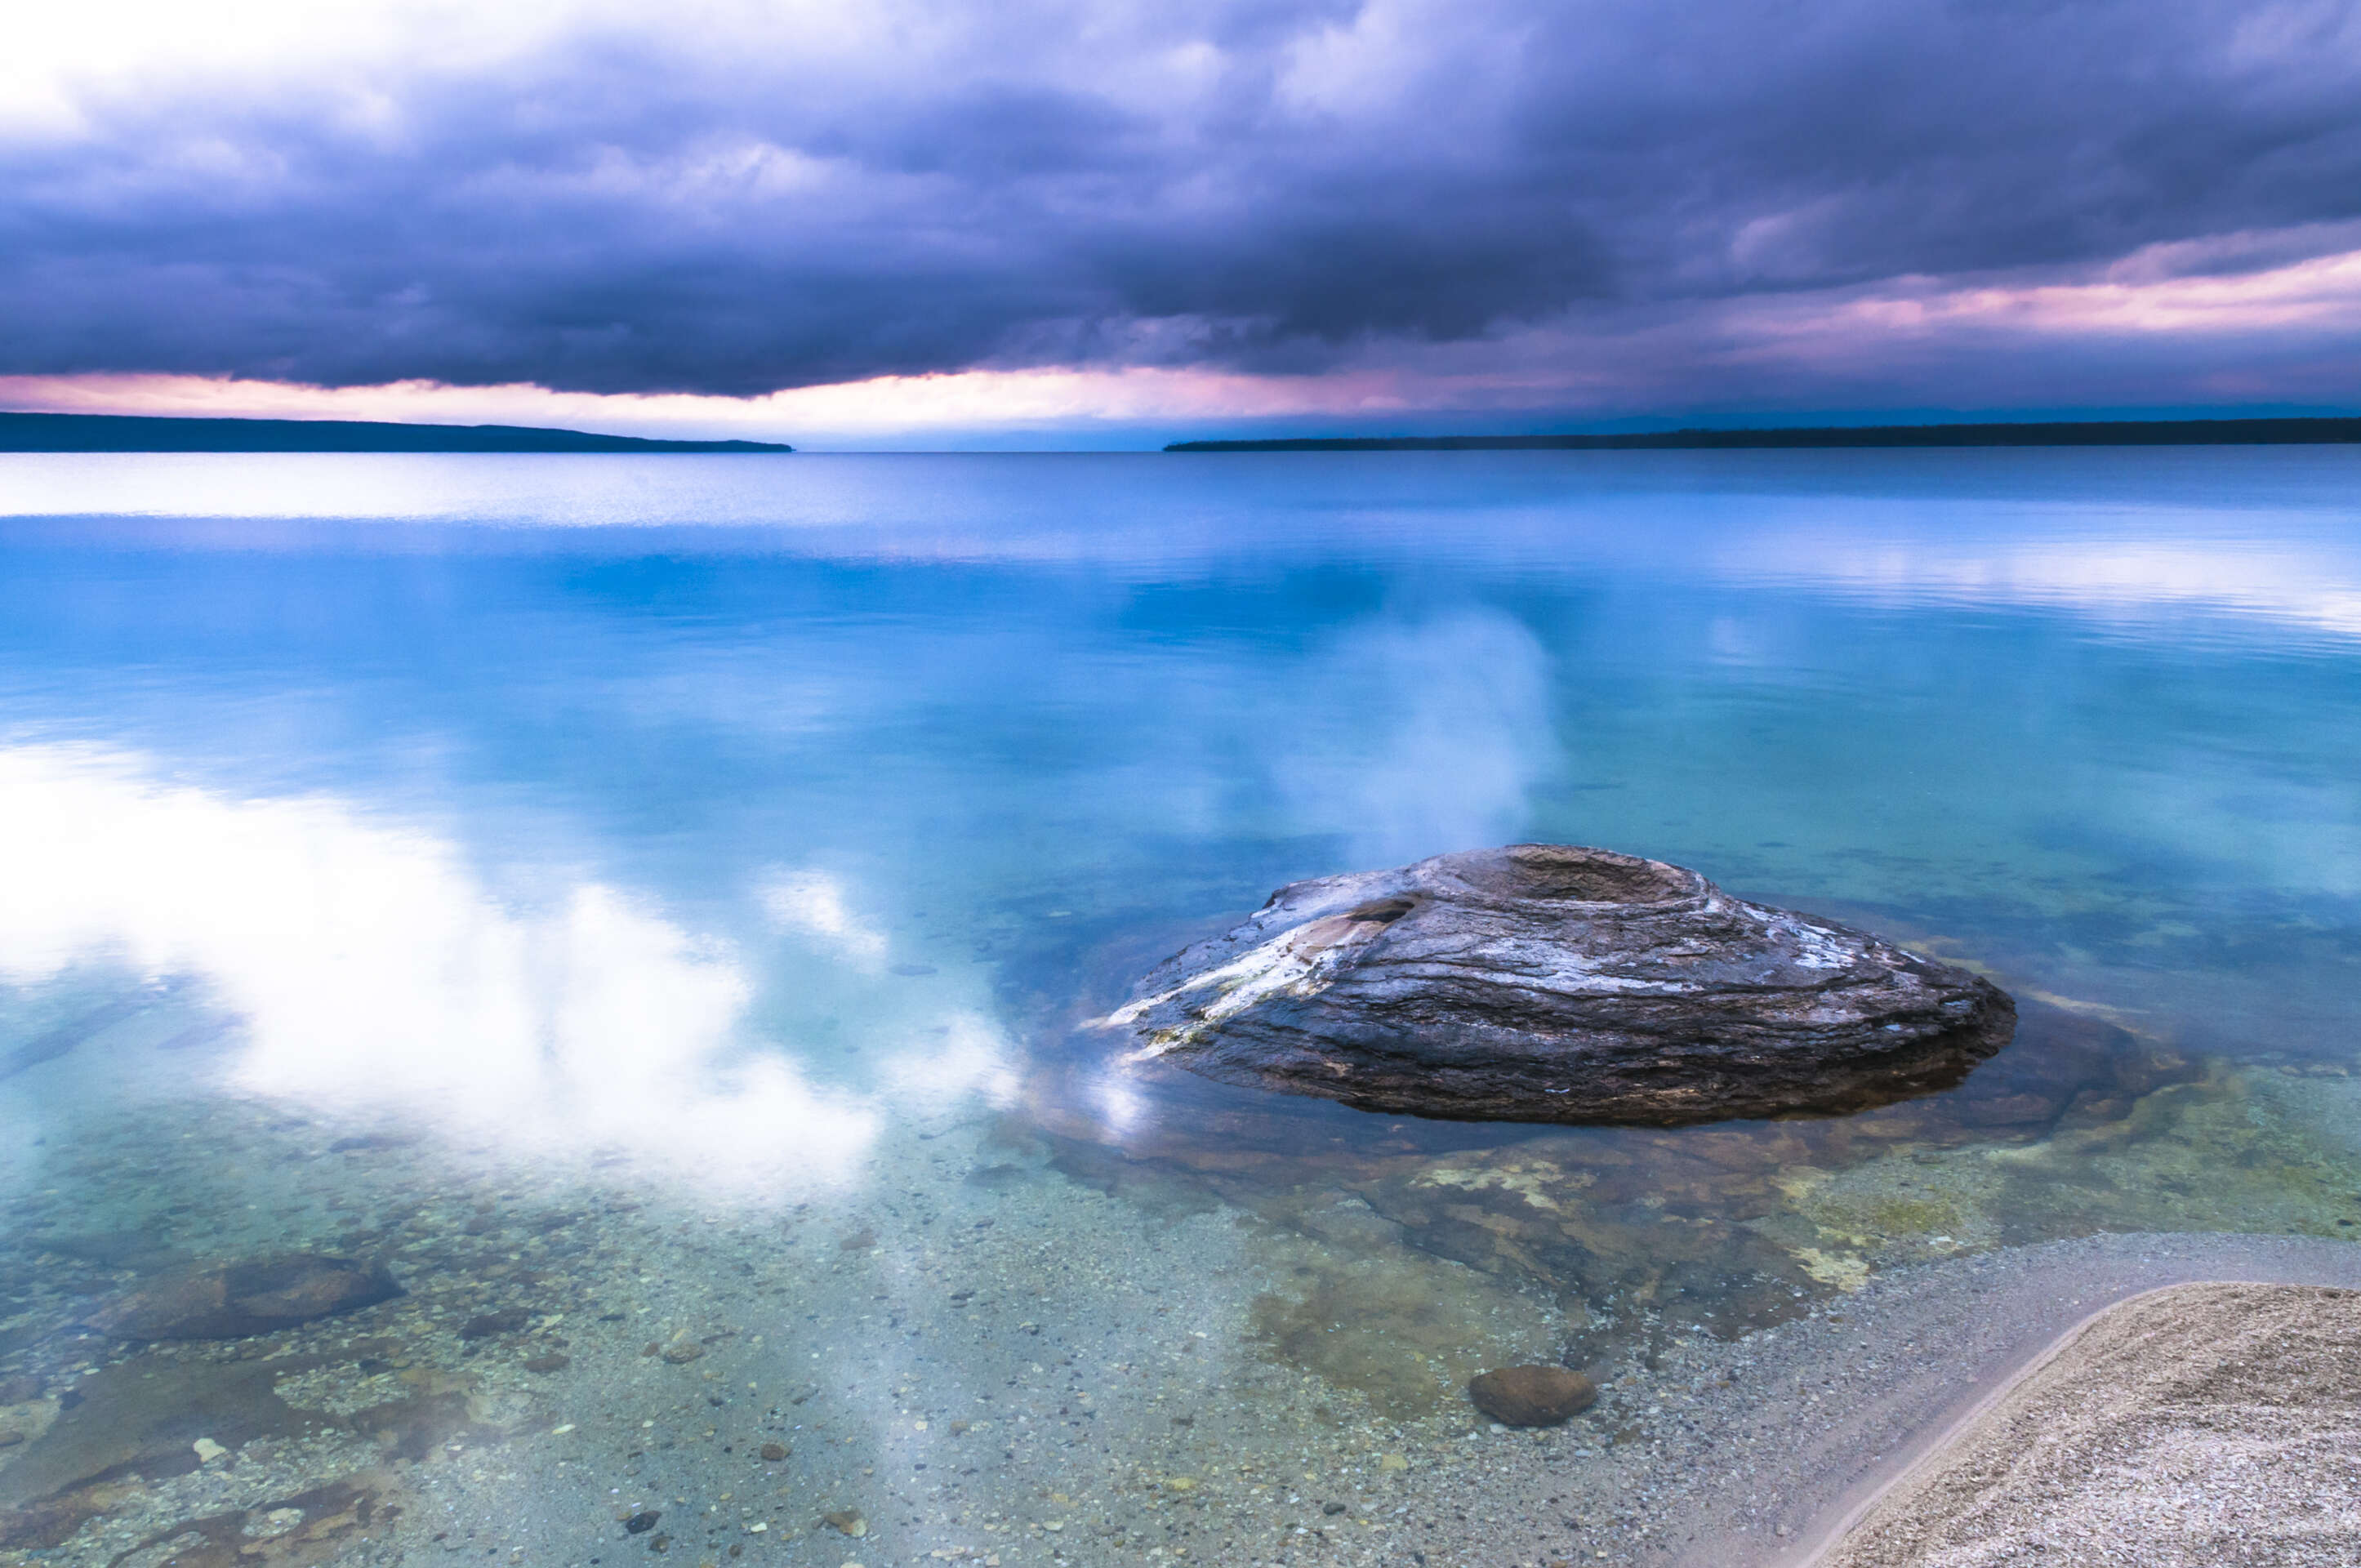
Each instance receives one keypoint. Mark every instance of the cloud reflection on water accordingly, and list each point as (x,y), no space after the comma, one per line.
(814,903)
(2259,535)
(377,976)
(2115,580)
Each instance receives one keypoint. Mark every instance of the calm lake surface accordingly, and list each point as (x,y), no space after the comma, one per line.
(646,908)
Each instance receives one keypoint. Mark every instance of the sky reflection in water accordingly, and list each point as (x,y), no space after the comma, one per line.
(707,812)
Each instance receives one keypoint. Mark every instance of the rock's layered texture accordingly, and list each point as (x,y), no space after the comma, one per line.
(1549,984)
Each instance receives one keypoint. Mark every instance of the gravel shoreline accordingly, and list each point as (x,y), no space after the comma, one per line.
(2196,1425)
(1763,1449)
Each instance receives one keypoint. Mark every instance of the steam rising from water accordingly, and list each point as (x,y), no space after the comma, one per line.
(1435,734)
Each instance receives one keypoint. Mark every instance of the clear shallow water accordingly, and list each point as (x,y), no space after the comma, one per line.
(701,838)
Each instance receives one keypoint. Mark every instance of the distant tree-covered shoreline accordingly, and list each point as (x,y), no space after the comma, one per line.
(2054,432)
(152,432)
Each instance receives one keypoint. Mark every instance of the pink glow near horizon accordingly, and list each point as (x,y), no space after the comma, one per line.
(968,399)
(2322,292)
(1551,366)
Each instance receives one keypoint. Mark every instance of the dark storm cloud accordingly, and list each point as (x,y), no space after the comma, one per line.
(1265,186)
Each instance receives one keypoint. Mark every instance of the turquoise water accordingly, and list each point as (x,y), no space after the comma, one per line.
(697,831)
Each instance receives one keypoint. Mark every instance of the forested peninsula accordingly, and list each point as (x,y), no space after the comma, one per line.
(145,433)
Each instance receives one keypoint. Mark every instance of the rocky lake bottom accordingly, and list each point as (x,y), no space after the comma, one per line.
(1016,1339)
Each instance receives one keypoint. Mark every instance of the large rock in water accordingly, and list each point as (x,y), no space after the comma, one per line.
(230,1300)
(1544,983)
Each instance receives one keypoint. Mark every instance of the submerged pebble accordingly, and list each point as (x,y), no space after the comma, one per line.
(485,1325)
(1532,1396)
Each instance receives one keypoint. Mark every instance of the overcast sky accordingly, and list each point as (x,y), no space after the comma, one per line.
(1052,221)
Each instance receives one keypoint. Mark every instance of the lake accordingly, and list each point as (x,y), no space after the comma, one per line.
(647,910)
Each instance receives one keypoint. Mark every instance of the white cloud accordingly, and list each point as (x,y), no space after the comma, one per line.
(971,1055)
(377,976)
(814,903)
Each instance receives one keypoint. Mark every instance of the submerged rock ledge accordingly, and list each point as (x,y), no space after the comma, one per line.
(1546,982)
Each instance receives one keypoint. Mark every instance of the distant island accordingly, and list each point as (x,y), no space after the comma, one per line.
(2059,433)
(142,432)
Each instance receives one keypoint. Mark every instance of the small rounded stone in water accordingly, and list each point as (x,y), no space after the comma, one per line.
(487,1325)
(1532,1396)
(774,1451)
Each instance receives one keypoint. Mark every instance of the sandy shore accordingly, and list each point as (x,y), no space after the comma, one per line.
(1917,1356)
(2200,1424)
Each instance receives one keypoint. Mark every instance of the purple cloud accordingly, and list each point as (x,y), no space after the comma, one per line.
(731,200)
